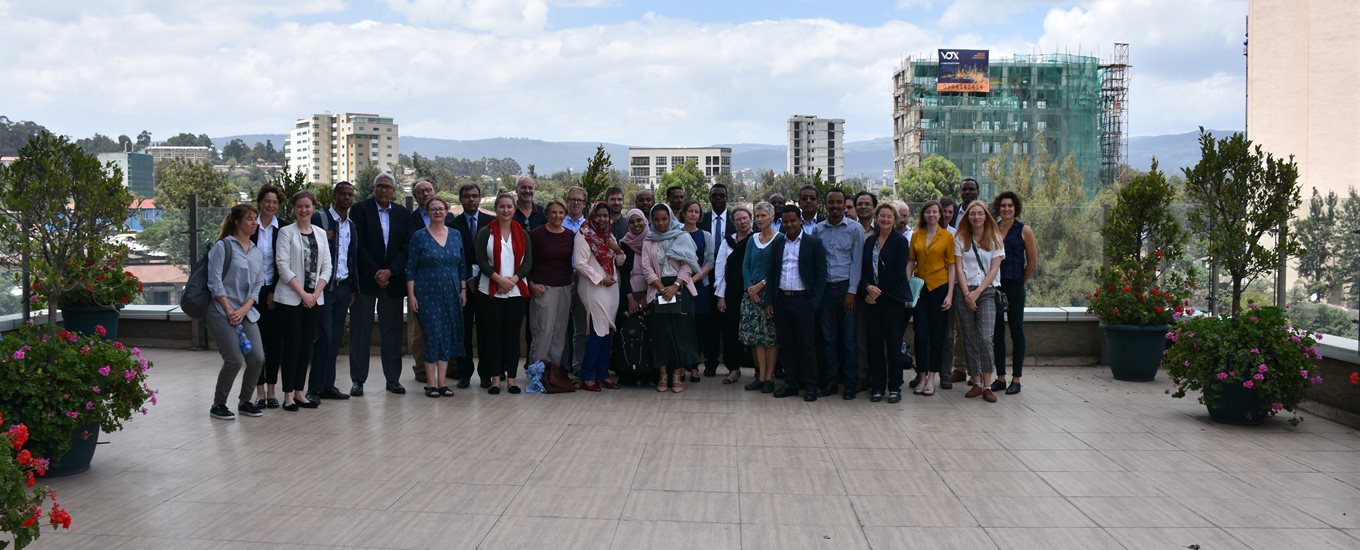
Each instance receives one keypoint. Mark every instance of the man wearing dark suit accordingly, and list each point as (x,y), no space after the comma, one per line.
(339,293)
(809,198)
(423,191)
(795,282)
(717,222)
(383,231)
(468,224)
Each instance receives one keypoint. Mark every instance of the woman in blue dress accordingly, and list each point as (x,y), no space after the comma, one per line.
(435,269)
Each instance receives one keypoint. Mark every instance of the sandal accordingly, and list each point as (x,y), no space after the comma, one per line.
(694,376)
(590,386)
(431,391)
(609,384)
(678,383)
(732,376)
(445,391)
(661,384)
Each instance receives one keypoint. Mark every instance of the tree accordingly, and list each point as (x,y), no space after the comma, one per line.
(13,135)
(1319,265)
(238,151)
(176,179)
(363,182)
(1141,223)
(288,184)
(1244,197)
(1348,249)
(61,210)
(143,140)
(933,173)
(687,176)
(596,177)
(124,143)
(100,143)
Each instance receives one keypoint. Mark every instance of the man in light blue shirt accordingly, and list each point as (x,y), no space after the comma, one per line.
(576,207)
(844,242)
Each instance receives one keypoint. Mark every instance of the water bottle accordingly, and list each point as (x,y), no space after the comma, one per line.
(245,340)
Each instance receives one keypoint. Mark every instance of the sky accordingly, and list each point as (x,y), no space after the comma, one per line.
(662,73)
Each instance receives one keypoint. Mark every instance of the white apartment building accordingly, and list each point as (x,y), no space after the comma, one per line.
(648,164)
(816,144)
(198,153)
(331,148)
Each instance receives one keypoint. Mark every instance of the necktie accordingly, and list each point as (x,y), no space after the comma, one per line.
(717,226)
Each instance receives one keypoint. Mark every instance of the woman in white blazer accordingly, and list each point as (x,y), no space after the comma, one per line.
(303,258)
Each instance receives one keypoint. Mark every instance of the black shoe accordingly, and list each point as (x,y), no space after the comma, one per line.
(221,412)
(826,391)
(695,379)
(779,373)
(514,390)
(494,390)
(485,383)
(313,396)
(444,391)
(396,388)
(309,404)
(787,391)
(710,372)
(848,395)
(463,383)
(998,385)
(767,386)
(249,409)
(876,396)
(946,385)
(809,396)
(357,390)
(914,382)
(333,393)
(894,396)
(431,391)
(1013,389)
(755,385)
(292,407)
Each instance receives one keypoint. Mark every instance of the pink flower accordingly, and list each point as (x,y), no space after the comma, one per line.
(1222,375)
(1294,339)
(1317,380)
(18,354)
(118,345)
(129,374)
(89,405)
(1171,336)
(72,414)
(1187,363)
(1258,376)
(1288,328)
(84,350)
(96,389)
(1276,406)
(153,399)
(1253,307)
(1304,373)
(1317,335)
(1262,368)
(100,330)
(1248,384)
(1253,318)
(104,370)
(1256,351)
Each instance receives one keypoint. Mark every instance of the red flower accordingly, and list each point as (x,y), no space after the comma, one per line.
(1355,378)
(123,299)
(1159,309)
(37,286)
(99,277)
(25,458)
(30,481)
(1127,288)
(59,516)
(64,334)
(18,436)
(1158,254)
(37,513)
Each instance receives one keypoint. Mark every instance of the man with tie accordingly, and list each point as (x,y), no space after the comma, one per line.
(796,281)
(717,222)
(468,223)
(383,232)
(339,293)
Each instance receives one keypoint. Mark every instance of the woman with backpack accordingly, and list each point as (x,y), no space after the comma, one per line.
(232,313)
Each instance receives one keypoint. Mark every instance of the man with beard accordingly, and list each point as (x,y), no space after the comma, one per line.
(613,198)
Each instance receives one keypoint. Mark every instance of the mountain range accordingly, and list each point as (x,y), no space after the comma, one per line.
(862,158)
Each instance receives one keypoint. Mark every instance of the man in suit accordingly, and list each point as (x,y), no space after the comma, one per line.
(468,224)
(423,191)
(718,222)
(339,293)
(794,286)
(808,201)
(383,229)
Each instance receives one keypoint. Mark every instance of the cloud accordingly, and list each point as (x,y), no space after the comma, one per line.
(497,16)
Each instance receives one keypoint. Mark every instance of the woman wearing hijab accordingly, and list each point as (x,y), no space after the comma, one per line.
(633,286)
(597,257)
(669,262)
(504,256)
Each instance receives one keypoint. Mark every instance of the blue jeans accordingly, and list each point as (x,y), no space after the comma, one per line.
(840,345)
(595,364)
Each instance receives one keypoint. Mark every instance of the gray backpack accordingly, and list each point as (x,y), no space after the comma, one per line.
(196,298)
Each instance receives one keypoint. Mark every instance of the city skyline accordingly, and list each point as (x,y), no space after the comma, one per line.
(659,74)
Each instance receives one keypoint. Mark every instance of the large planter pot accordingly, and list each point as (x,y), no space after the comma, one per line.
(1135,351)
(1238,405)
(84,319)
(77,458)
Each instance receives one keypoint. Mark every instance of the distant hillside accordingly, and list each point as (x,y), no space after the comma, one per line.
(868,158)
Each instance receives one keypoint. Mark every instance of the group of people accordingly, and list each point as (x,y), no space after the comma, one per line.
(732,285)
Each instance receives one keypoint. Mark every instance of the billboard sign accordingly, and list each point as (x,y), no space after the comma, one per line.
(963,71)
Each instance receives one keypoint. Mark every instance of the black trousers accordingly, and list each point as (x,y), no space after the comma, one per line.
(932,327)
(735,355)
(470,317)
(1013,317)
(391,326)
(271,336)
(793,325)
(500,325)
(884,322)
(300,325)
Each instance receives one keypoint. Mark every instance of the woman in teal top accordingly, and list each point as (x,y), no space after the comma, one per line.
(757,329)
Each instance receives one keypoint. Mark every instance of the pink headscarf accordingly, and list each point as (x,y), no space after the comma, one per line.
(634,241)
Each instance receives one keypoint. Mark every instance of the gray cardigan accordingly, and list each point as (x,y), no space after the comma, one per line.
(243,280)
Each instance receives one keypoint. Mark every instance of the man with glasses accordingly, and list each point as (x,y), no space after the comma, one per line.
(808,200)
(423,191)
(381,227)
(576,208)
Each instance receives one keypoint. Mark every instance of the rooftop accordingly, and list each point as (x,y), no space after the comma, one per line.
(1075,461)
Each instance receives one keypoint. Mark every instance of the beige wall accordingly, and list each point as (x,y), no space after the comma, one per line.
(1303,87)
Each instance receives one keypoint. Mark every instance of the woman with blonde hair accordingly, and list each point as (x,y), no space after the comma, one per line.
(303,258)
(978,254)
(504,256)
(757,328)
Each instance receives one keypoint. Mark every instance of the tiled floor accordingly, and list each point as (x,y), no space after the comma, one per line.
(1075,461)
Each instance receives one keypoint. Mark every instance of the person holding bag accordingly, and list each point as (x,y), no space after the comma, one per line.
(978,251)
(303,258)
(669,262)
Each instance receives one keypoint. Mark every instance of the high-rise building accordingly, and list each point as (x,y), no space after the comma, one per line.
(197,153)
(1071,104)
(816,144)
(647,164)
(331,148)
(139,171)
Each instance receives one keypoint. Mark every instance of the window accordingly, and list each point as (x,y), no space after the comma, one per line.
(676,161)
(642,172)
(640,161)
(660,161)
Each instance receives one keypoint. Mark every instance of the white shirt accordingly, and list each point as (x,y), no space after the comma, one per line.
(344,233)
(789,279)
(266,245)
(971,270)
(385,220)
(507,268)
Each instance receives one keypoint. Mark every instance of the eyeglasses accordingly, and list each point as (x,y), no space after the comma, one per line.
(576,200)
(383,186)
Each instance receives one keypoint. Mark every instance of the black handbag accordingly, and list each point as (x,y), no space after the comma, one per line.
(1001,301)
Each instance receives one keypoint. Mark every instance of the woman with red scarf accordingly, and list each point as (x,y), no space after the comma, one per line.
(597,258)
(504,257)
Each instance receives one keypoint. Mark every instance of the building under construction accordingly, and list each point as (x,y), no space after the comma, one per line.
(1075,104)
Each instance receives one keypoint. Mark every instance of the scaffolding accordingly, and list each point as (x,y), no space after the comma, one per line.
(1114,114)
(1055,102)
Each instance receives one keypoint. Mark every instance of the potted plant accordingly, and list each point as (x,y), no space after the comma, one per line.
(67,387)
(1250,364)
(21,505)
(1139,293)
(61,210)
(100,289)
(1243,386)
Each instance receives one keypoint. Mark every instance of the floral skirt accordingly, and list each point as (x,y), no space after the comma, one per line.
(756,329)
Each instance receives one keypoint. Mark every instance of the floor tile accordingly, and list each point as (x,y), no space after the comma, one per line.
(661,535)
(527,533)
(1160,461)
(929,538)
(1250,512)
(1137,512)
(687,478)
(797,510)
(878,459)
(1125,442)
(1251,461)
(1103,484)
(961,441)
(785,537)
(974,461)
(568,502)
(456,498)
(1000,484)
(1173,537)
(1328,461)
(1067,461)
(687,506)
(920,482)
(419,530)
(1312,539)
(1025,512)
(1053,538)
(790,481)
(1342,513)
(912,511)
